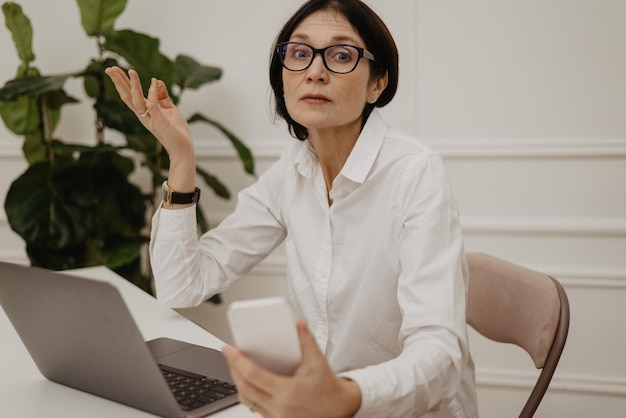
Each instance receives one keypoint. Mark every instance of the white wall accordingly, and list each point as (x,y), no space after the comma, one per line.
(526,101)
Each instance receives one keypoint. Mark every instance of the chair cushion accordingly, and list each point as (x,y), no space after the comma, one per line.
(513,304)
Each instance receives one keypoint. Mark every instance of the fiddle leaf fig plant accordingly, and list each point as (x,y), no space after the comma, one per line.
(75,205)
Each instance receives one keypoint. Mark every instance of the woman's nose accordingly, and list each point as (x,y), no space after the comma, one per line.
(317,69)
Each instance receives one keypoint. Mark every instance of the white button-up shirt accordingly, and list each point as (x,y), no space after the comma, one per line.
(380,275)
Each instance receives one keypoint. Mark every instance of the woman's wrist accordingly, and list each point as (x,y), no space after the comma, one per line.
(182,171)
(349,397)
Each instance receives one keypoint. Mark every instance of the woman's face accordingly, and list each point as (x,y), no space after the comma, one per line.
(319,99)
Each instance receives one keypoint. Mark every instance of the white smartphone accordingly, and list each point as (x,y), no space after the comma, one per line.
(265,330)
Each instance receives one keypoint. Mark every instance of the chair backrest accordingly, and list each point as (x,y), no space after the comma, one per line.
(512,304)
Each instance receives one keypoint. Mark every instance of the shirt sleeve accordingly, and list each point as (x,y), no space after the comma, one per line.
(188,270)
(431,294)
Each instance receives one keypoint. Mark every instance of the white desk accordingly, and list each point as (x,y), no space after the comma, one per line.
(25,393)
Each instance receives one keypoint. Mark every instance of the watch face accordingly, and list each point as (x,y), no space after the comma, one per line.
(166,193)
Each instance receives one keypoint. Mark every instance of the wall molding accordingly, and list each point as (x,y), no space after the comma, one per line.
(581,227)
(572,277)
(11,149)
(453,148)
(582,277)
(466,148)
(12,256)
(545,226)
(572,383)
(531,148)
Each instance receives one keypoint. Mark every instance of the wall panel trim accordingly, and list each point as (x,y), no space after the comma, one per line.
(605,385)
(570,276)
(531,148)
(457,148)
(539,225)
(467,148)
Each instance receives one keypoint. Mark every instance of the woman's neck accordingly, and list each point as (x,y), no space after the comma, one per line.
(332,148)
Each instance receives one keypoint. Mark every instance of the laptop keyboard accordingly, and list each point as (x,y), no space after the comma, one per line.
(193,390)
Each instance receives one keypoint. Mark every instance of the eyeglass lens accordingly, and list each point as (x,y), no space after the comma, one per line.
(337,58)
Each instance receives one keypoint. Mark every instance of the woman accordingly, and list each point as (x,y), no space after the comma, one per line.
(374,249)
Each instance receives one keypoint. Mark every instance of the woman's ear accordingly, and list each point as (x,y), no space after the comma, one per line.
(377,87)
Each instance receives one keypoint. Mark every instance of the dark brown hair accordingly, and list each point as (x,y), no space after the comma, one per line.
(369,26)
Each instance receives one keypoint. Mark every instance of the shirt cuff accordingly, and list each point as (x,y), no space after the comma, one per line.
(373,404)
(174,224)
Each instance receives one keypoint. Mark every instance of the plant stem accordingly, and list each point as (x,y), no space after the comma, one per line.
(98,123)
(99,131)
(47,129)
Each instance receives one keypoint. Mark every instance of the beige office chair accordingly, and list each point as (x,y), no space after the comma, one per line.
(513,304)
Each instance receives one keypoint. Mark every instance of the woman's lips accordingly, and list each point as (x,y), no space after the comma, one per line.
(315,99)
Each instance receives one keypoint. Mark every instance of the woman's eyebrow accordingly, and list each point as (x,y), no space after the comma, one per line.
(335,40)
(299,37)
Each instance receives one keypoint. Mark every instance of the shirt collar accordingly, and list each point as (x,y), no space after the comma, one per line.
(361,159)
(306,160)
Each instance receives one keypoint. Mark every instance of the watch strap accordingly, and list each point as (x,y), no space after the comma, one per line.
(170,196)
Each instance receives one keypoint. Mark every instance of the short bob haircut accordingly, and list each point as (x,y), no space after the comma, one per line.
(368,25)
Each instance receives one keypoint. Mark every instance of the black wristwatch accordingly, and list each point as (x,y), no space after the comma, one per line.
(170,196)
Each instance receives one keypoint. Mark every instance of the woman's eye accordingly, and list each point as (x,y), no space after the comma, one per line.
(342,55)
(300,54)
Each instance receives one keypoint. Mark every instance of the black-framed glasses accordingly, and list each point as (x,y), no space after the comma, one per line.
(340,59)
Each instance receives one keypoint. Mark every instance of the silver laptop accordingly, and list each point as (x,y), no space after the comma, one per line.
(80,333)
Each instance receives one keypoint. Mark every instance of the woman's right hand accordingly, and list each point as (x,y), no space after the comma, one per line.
(162,118)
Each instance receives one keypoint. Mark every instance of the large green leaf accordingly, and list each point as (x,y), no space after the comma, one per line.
(20,115)
(116,115)
(102,154)
(82,212)
(34,148)
(97,84)
(28,200)
(57,259)
(98,16)
(77,201)
(55,99)
(33,85)
(21,30)
(142,53)
(245,155)
(37,216)
(145,144)
(189,73)
(214,183)
(68,225)
(121,252)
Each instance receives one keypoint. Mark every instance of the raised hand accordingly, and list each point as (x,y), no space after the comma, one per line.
(162,118)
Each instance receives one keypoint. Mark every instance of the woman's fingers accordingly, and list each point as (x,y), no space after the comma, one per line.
(310,350)
(121,83)
(248,375)
(131,92)
(152,102)
(139,102)
(249,371)
(129,89)
(160,116)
